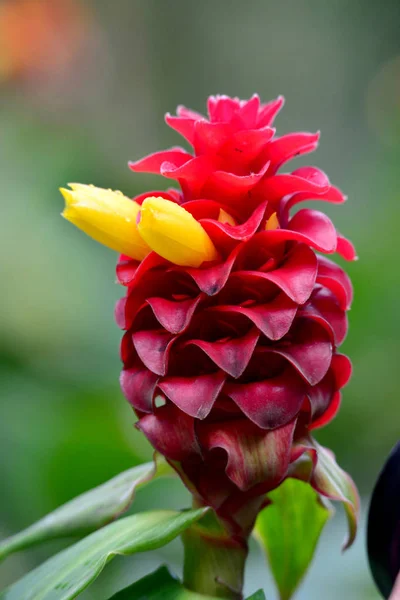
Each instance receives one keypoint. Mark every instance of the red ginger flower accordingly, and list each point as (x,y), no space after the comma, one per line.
(243,349)
(241,346)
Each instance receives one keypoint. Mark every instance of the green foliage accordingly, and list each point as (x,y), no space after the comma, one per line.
(68,573)
(333,482)
(259,595)
(89,511)
(160,585)
(289,529)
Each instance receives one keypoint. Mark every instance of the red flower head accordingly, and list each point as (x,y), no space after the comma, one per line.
(230,352)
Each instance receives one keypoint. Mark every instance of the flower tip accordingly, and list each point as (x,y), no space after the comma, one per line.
(107,216)
(72,198)
(272,223)
(316,138)
(131,165)
(69,200)
(226,218)
(65,193)
(280,101)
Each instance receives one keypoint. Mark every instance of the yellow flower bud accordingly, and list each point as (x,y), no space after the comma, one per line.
(272,222)
(174,233)
(108,217)
(224,217)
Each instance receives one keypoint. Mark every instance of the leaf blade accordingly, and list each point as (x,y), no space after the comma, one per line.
(160,585)
(317,465)
(89,511)
(288,530)
(68,573)
(259,595)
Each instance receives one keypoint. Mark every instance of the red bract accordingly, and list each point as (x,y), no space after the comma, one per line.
(241,353)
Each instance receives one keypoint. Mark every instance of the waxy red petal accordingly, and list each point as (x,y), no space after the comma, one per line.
(320,396)
(270,403)
(323,308)
(210,137)
(221,108)
(224,235)
(333,277)
(273,319)
(325,397)
(194,395)
(260,456)
(192,174)
(138,385)
(211,280)
(153,162)
(119,313)
(341,366)
(188,113)
(153,348)
(309,350)
(244,147)
(313,174)
(282,149)
(311,227)
(205,209)
(345,248)
(332,195)
(171,432)
(174,315)
(296,276)
(269,111)
(183,125)
(278,186)
(233,355)
(230,186)
(329,414)
(130,271)
(246,116)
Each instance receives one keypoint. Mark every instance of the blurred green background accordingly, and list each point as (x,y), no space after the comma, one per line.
(83,89)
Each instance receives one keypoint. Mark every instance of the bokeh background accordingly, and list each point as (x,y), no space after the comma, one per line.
(83,88)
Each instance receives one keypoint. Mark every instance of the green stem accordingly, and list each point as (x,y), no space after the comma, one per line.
(214,562)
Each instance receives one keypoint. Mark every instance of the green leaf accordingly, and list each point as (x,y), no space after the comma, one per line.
(259,595)
(160,585)
(89,511)
(289,529)
(334,483)
(318,465)
(68,573)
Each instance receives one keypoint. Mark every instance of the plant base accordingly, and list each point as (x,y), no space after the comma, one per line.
(214,562)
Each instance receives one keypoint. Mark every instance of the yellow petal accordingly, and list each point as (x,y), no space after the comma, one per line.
(108,217)
(225,217)
(174,234)
(272,222)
